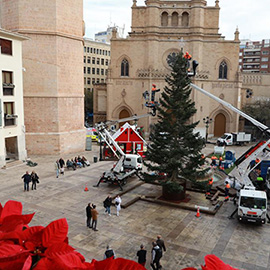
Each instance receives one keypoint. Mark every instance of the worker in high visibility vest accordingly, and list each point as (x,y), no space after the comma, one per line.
(209,186)
(153,93)
(227,189)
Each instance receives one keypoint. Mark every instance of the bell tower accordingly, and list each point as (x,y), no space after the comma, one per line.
(53,77)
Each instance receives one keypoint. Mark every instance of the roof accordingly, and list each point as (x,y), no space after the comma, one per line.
(253,193)
(12,35)
(122,130)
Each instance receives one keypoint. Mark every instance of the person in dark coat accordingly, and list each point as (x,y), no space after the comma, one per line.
(34,178)
(141,255)
(88,215)
(107,204)
(156,254)
(26,179)
(62,164)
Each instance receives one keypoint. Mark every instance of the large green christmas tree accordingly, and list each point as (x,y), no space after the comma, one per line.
(175,147)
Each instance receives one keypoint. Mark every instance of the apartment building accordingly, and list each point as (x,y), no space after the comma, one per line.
(12,129)
(96,62)
(254,56)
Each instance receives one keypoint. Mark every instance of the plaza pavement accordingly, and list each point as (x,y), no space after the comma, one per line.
(188,239)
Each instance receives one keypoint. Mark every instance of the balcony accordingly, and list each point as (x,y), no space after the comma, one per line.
(10,119)
(8,89)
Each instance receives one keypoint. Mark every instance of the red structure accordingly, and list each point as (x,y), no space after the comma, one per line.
(129,140)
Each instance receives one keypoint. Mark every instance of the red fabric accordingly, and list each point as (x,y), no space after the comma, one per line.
(212,262)
(55,232)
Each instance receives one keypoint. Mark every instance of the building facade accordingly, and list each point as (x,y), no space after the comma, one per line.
(12,129)
(105,36)
(254,56)
(96,62)
(159,30)
(53,81)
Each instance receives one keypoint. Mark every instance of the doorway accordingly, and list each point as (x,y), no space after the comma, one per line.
(123,114)
(11,149)
(220,125)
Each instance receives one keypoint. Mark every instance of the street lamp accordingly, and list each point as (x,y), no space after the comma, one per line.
(207,122)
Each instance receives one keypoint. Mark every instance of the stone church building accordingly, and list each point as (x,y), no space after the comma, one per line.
(160,29)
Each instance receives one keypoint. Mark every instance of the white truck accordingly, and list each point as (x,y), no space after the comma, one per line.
(234,138)
(252,204)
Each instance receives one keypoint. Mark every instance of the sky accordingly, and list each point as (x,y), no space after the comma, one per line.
(251,17)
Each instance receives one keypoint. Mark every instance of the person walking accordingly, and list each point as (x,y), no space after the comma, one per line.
(57,168)
(209,186)
(62,165)
(161,243)
(94,214)
(156,254)
(109,253)
(227,189)
(118,202)
(26,179)
(142,255)
(107,204)
(88,215)
(34,178)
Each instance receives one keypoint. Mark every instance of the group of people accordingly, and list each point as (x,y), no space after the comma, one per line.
(77,162)
(28,178)
(108,203)
(158,247)
(91,214)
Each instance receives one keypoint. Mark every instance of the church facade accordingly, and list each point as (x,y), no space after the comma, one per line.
(159,30)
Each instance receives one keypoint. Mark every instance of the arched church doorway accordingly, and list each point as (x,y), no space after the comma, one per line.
(220,125)
(123,114)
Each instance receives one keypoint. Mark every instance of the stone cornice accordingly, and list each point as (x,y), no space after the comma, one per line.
(50,33)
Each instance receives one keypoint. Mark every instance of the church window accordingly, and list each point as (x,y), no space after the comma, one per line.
(185,19)
(223,69)
(124,67)
(164,19)
(175,19)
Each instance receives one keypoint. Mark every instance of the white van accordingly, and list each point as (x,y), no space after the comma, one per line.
(252,206)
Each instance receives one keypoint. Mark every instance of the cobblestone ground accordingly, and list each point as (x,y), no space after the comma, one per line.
(188,239)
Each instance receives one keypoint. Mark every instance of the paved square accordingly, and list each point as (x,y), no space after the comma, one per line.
(188,239)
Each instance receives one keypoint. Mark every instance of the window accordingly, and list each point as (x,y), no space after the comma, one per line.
(102,80)
(102,71)
(97,71)
(8,86)
(88,49)
(222,74)
(264,66)
(9,113)
(106,72)
(107,62)
(88,70)
(84,80)
(88,80)
(97,80)
(94,50)
(102,61)
(84,59)
(106,52)
(98,61)
(265,59)
(265,52)
(175,19)
(93,81)
(124,68)
(109,53)
(84,70)
(93,60)
(185,19)
(88,59)
(6,46)
(91,50)
(103,52)
(164,19)
(84,49)
(93,71)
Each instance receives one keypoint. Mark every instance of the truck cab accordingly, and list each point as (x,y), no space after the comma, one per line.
(252,206)
(225,139)
(133,162)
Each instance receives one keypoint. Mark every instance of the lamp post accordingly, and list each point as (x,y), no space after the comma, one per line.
(207,121)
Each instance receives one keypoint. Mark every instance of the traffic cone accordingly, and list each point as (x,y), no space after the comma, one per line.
(198,212)
(86,188)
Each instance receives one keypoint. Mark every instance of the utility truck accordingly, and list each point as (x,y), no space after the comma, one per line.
(128,164)
(252,204)
(234,139)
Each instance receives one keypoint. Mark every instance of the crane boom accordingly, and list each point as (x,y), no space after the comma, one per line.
(230,106)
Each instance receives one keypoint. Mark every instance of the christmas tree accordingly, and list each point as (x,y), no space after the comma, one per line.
(174,153)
